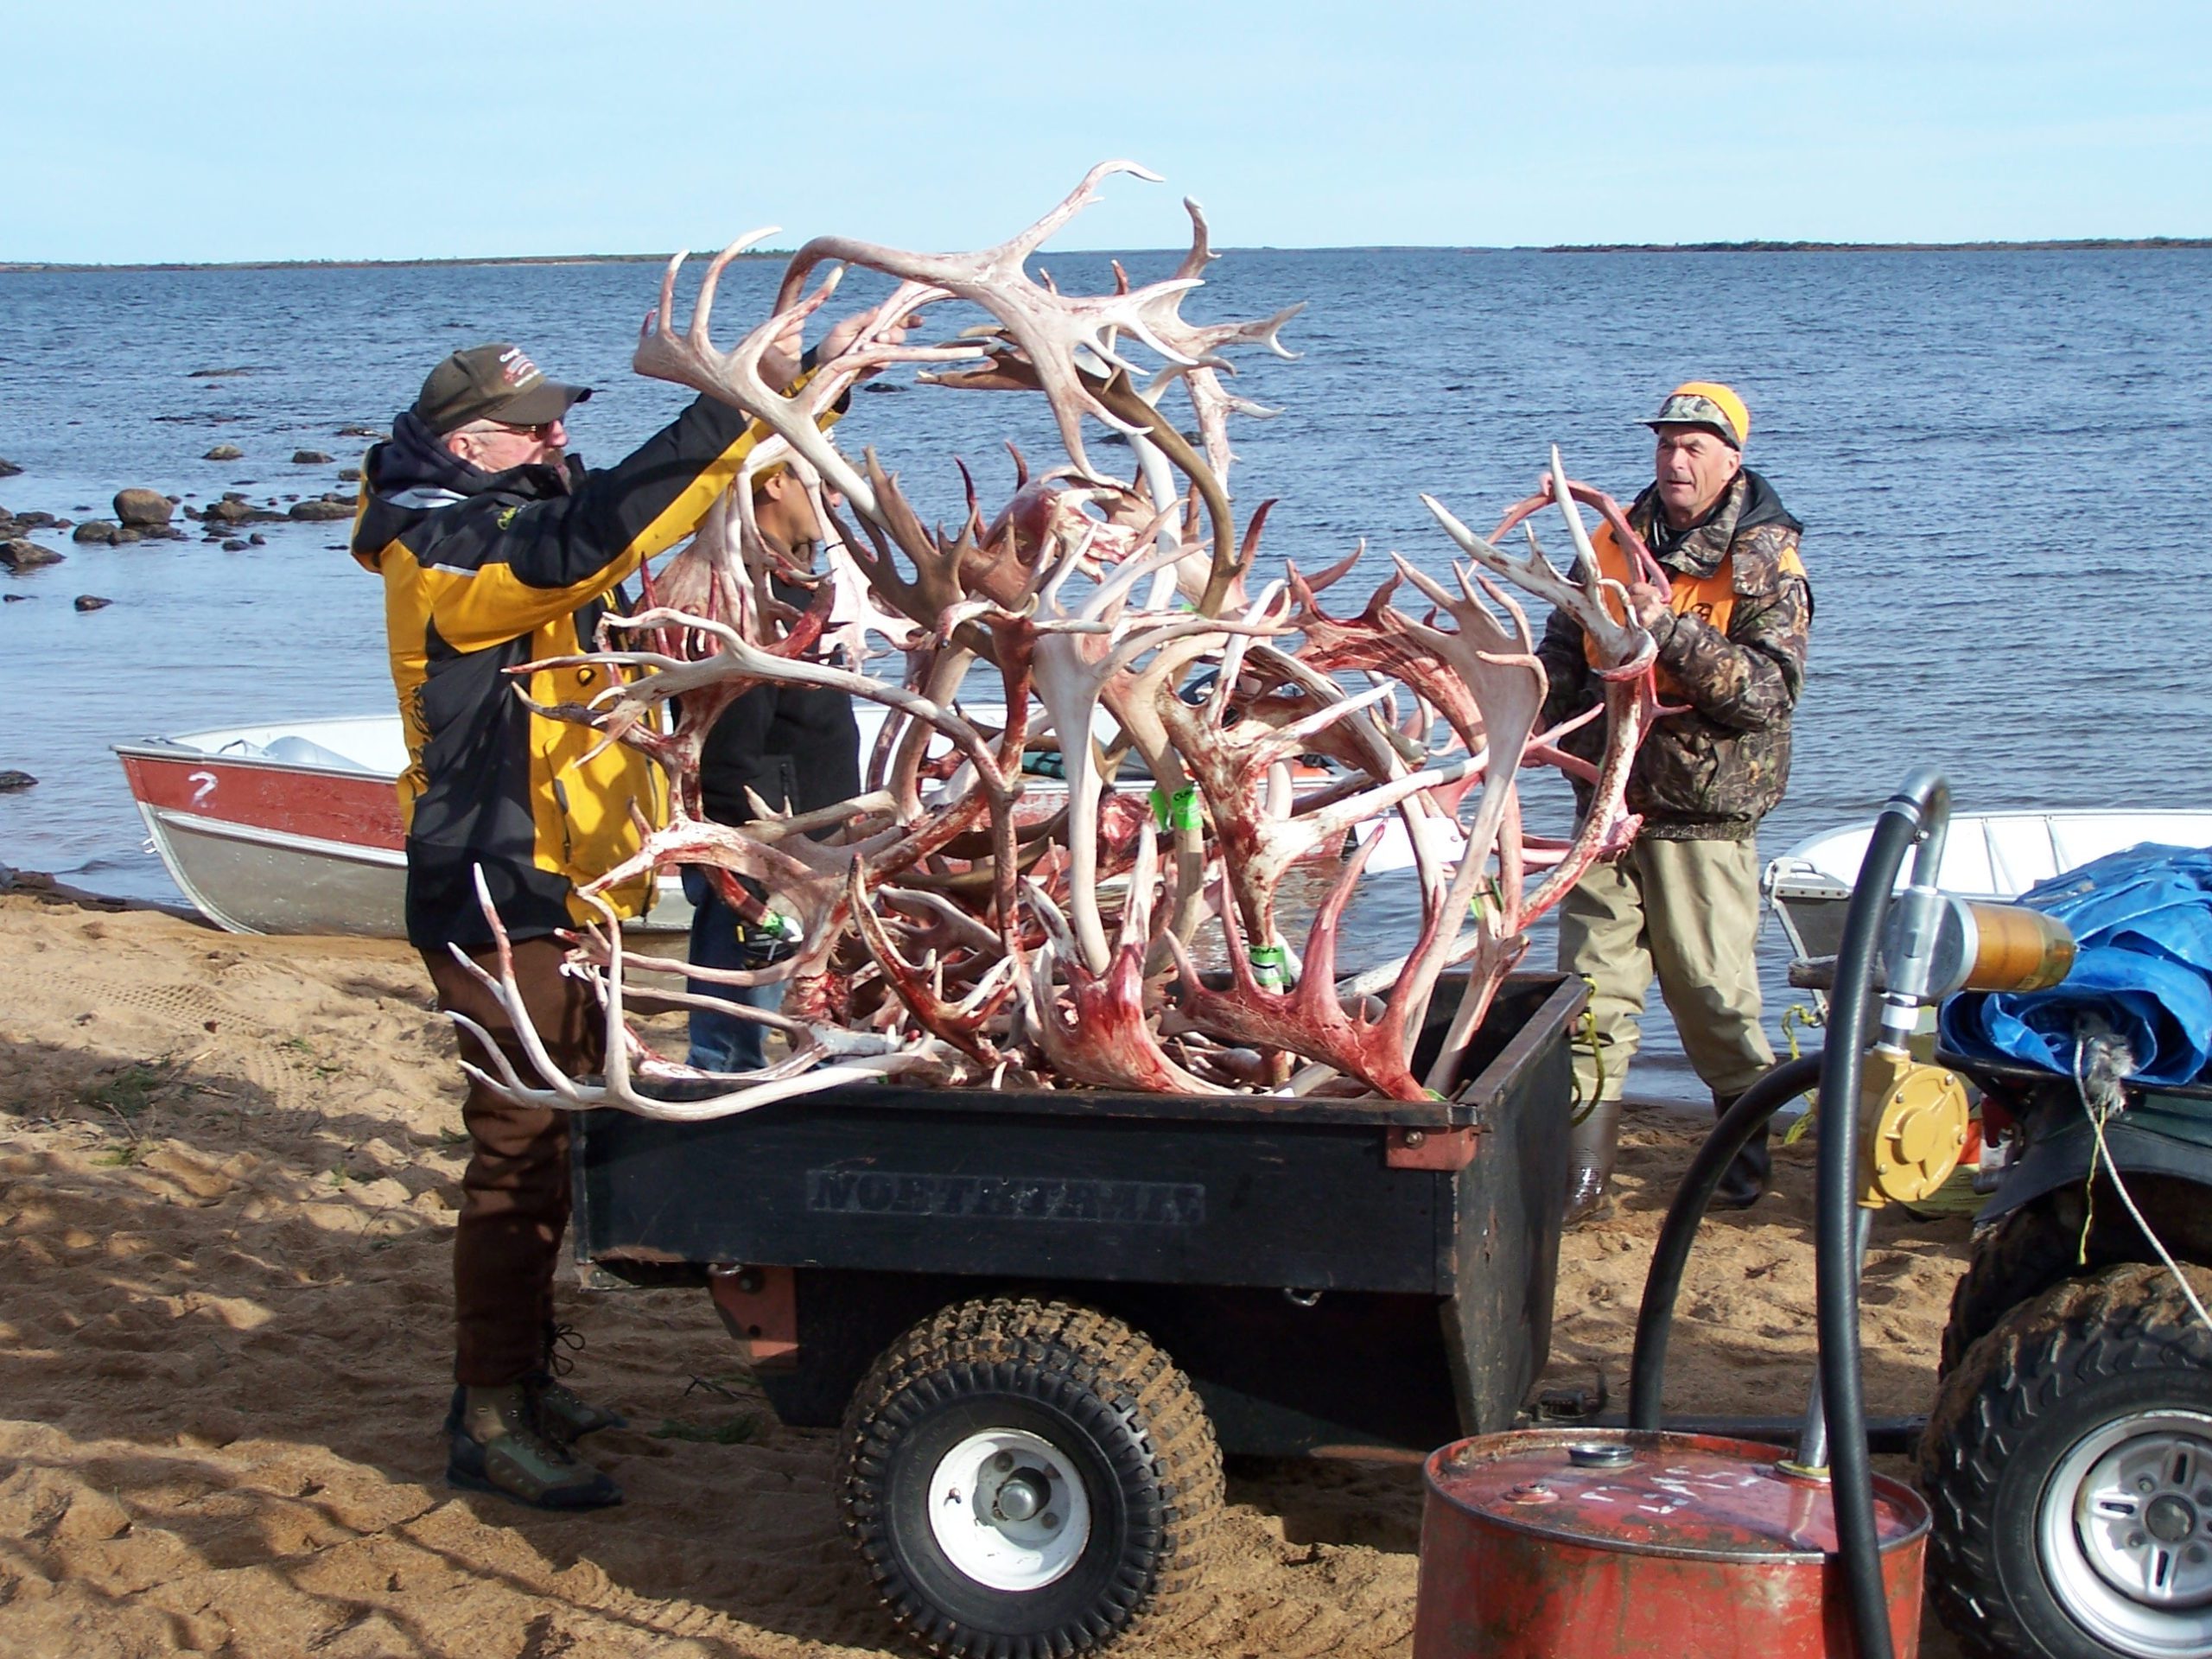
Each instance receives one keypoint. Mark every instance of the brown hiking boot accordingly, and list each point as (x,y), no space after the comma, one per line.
(562,1411)
(500,1447)
(559,1410)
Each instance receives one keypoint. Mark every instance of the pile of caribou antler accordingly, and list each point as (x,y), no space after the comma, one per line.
(949,931)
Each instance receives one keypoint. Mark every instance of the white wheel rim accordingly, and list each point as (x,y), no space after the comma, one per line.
(1008,1509)
(2126,1533)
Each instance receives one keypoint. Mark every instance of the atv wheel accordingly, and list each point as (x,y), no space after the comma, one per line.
(2034,1248)
(2069,1461)
(1027,1478)
(2011,1262)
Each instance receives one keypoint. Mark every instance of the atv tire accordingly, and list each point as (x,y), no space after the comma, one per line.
(2068,1463)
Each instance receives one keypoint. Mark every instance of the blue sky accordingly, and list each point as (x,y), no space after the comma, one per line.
(233,130)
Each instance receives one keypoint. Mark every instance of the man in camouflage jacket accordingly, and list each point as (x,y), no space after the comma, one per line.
(1683,900)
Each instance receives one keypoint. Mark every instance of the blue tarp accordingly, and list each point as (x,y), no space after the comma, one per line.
(2142,925)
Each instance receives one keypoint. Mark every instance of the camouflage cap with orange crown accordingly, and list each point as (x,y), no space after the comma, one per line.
(1707,404)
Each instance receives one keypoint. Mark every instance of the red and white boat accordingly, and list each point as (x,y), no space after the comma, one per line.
(294,828)
(291,828)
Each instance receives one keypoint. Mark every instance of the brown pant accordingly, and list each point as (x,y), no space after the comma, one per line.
(515,1195)
(1689,911)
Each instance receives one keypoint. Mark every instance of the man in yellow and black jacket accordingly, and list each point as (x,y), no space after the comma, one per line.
(498,549)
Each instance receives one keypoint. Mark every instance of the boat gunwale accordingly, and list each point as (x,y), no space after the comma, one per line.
(1793,874)
(175,750)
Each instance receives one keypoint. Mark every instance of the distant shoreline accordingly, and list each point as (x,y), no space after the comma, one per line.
(2055,245)
(15,265)
(2077,244)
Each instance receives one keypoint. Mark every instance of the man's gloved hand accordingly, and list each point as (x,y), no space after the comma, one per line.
(779,364)
(846,330)
(771,941)
(1646,605)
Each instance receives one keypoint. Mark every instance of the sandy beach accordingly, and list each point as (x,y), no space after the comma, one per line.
(228,1166)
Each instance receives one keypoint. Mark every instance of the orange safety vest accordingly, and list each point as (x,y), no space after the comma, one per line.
(1711,599)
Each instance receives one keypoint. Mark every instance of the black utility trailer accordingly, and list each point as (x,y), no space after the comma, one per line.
(1037,1315)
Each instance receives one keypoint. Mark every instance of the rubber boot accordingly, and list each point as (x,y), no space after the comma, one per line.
(1590,1147)
(499,1448)
(1745,1181)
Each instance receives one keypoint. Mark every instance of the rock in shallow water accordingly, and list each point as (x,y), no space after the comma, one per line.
(309,458)
(137,509)
(9,469)
(22,555)
(14,780)
(225,452)
(93,602)
(95,529)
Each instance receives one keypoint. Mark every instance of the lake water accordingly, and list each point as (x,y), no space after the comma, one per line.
(2002,459)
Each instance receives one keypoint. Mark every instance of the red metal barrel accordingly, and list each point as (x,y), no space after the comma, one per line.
(1557,1544)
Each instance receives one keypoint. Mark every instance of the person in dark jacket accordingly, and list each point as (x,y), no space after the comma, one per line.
(498,549)
(1683,900)
(796,747)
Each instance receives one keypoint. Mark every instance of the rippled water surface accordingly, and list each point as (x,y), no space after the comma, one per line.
(2002,459)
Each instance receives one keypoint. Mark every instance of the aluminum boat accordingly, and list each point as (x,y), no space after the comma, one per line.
(294,828)
(1988,855)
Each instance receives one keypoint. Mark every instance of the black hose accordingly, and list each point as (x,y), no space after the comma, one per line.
(1836,1259)
(1654,1317)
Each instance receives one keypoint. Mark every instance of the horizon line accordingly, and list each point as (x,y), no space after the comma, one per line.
(1750,245)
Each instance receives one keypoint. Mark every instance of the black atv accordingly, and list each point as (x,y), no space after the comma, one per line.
(2068,1454)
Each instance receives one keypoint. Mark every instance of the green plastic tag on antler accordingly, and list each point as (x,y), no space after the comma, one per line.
(1270,964)
(1176,811)
(785,928)
(1489,897)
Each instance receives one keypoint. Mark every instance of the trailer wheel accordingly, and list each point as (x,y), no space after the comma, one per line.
(2069,1461)
(1027,1478)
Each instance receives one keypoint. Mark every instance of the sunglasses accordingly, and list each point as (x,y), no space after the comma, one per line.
(541,432)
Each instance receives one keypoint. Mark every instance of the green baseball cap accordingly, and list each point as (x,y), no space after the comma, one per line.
(492,383)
